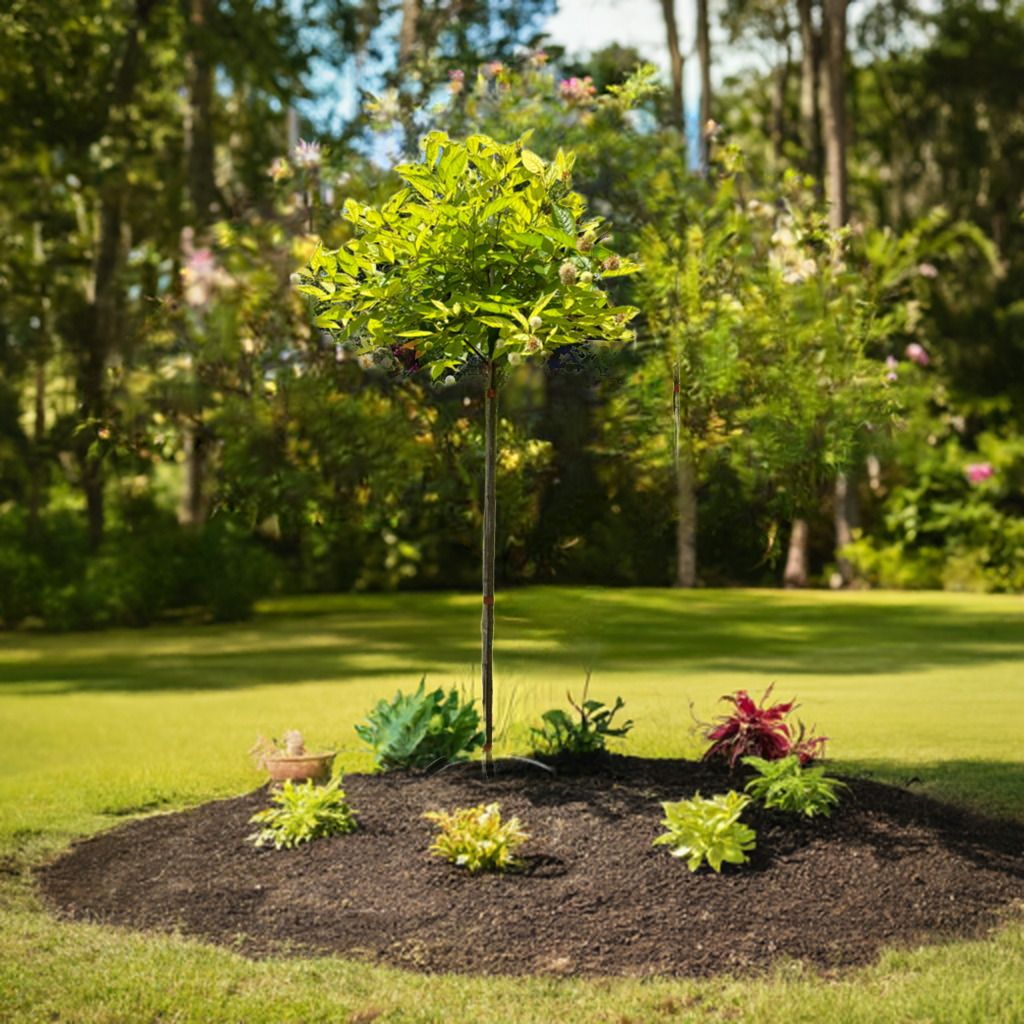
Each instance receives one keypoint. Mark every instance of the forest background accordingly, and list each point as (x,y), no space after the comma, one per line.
(825,384)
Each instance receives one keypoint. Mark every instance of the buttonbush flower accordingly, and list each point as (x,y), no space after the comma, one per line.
(307,155)
(567,274)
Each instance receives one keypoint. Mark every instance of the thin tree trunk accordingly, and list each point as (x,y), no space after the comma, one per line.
(834,32)
(686,498)
(676,61)
(408,43)
(847,514)
(810,62)
(795,574)
(490,522)
(780,79)
(704,56)
(202,184)
(35,496)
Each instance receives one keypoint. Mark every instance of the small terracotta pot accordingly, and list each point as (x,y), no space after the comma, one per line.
(316,767)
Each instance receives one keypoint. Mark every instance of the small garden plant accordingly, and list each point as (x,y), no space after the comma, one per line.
(415,730)
(587,733)
(701,829)
(304,813)
(477,839)
(789,786)
(756,730)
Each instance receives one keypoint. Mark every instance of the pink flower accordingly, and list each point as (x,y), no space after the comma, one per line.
(927,270)
(892,376)
(576,91)
(916,354)
(456,81)
(279,169)
(978,471)
(892,362)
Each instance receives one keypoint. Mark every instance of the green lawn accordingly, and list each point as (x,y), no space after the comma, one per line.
(103,726)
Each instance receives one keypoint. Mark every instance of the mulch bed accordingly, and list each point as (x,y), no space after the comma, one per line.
(890,867)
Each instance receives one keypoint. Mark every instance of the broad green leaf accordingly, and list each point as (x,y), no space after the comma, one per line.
(533,163)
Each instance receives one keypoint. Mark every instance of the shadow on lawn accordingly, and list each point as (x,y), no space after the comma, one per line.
(343,637)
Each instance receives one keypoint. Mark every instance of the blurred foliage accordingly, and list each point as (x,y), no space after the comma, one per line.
(176,434)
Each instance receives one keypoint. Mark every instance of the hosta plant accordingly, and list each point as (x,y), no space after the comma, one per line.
(477,839)
(304,813)
(416,729)
(587,732)
(710,830)
(789,786)
(759,730)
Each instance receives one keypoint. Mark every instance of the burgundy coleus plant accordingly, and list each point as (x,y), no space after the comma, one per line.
(757,730)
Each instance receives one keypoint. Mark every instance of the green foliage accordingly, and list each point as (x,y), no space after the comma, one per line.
(792,787)
(587,733)
(484,254)
(477,839)
(700,829)
(304,812)
(414,730)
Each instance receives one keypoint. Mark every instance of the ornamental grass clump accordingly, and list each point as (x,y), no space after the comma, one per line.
(701,829)
(757,730)
(787,785)
(476,838)
(304,813)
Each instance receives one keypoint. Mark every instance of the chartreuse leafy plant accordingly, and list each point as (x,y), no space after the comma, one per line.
(561,733)
(701,829)
(484,259)
(477,839)
(304,812)
(416,729)
(789,786)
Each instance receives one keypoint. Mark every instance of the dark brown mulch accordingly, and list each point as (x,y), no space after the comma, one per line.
(889,868)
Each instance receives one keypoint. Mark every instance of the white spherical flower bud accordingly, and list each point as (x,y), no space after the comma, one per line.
(536,323)
(567,274)
(586,278)
(514,359)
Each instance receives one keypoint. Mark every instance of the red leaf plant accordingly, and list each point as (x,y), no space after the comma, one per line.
(754,730)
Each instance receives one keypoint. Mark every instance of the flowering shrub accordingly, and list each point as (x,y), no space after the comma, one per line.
(477,839)
(758,731)
(978,471)
(576,91)
(305,812)
(700,829)
(787,785)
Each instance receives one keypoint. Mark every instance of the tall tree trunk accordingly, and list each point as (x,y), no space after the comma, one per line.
(704,56)
(490,524)
(780,80)
(686,499)
(847,515)
(100,334)
(810,64)
(676,61)
(834,31)
(408,44)
(202,184)
(795,574)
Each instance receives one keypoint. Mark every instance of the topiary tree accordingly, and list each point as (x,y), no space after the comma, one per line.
(483,260)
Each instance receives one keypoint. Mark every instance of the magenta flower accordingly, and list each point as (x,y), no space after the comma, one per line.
(978,471)
(916,354)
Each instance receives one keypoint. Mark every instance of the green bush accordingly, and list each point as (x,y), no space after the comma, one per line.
(477,839)
(789,786)
(417,729)
(700,829)
(304,813)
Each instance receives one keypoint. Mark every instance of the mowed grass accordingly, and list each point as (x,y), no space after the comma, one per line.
(99,727)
